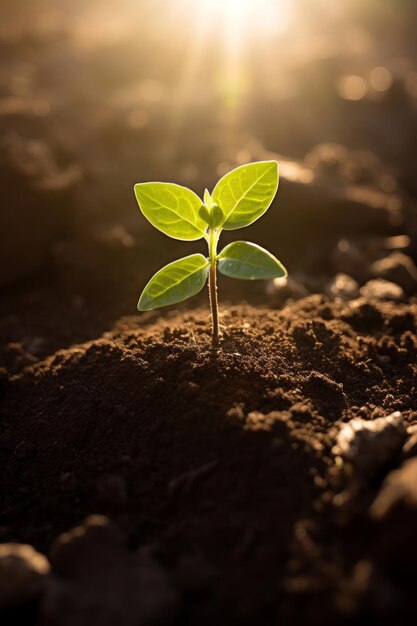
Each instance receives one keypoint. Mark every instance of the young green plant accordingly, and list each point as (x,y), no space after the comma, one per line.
(238,200)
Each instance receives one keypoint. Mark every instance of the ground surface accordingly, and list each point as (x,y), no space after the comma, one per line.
(222,459)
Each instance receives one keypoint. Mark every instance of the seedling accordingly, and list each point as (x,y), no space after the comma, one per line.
(238,200)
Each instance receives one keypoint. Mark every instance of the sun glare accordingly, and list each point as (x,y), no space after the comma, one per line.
(227,31)
(248,17)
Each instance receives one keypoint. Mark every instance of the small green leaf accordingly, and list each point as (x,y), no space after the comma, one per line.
(175,282)
(205,214)
(207,199)
(217,216)
(246,193)
(213,216)
(171,208)
(245,260)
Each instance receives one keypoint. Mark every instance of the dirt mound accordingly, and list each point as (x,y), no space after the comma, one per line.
(224,455)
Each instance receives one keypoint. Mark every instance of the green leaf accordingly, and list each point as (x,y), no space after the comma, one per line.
(246,193)
(175,282)
(171,208)
(205,214)
(212,216)
(217,216)
(245,260)
(207,198)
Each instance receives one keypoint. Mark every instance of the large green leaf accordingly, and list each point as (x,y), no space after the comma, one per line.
(171,208)
(246,192)
(175,282)
(245,260)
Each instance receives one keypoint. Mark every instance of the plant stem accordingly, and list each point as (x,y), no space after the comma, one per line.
(212,284)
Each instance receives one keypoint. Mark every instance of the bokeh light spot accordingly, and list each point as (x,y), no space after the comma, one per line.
(352,88)
(381,79)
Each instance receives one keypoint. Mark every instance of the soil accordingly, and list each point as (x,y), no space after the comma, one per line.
(220,459)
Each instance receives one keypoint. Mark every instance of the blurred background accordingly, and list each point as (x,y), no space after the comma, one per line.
(96,96)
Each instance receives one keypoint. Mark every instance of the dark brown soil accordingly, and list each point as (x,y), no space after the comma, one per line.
(224,457)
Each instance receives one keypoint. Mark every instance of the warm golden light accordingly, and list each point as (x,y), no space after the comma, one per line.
(245,16)
(223,34)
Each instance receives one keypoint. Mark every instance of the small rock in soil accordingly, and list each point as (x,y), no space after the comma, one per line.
(410,446)
(399,491)
(381,289)
(398,268)
(95,575)
(370,444)
(395,511)
(82,547)
(23,575)
(343,286)
(282,289)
